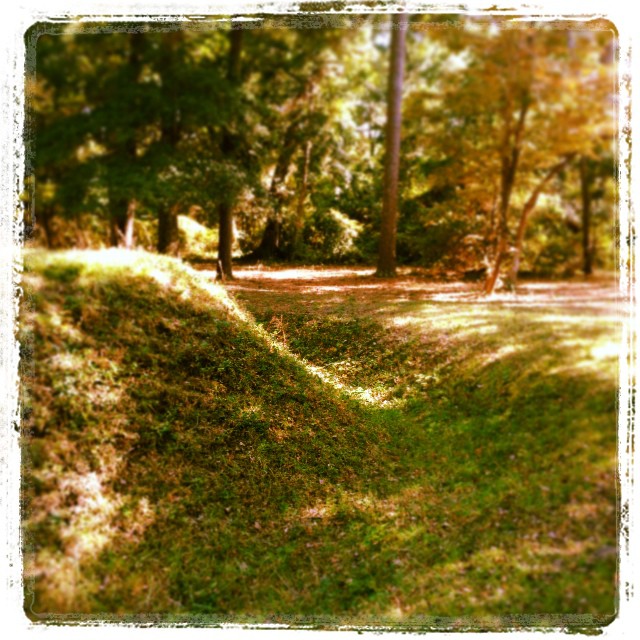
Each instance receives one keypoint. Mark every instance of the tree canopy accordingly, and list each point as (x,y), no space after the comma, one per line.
(273,133)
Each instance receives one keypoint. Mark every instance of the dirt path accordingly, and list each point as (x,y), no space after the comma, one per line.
(328,289)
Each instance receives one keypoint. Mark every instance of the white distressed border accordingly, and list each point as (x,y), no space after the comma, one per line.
(13,24)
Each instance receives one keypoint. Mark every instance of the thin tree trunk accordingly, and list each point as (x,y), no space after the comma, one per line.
(585,187)
(225,239)
(225,208)
(302,195)
(389,223)
(168,236)
(510,159)
(45,223)
(270,244)
(122,225)
(529,206)
(124,209)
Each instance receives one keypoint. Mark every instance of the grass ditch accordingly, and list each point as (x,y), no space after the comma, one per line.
(336,467)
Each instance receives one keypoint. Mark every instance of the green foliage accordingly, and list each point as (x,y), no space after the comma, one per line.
(154,118)
(196,240)
(553,248)
(432,235)
(329,236)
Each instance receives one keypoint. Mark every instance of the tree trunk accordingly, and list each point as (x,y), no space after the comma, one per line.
(389,223)
(45,223)
(585,187)
(123,207)
(529,206)
(510,159)
(270,244)
(168,236)
(225,209)
(122,222)
(225,239)
(302,196)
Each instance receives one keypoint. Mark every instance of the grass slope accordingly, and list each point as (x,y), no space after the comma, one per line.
(180,459)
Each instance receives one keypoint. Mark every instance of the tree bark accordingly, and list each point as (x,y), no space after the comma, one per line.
(302,196)
(225,239)
(225,208)
(45,223)
(529,206)
(585,188)
(168,236)
(124,209)
(509,168)
(389,223)
(270,244)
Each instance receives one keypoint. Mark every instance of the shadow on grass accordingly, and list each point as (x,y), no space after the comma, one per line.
(181,463)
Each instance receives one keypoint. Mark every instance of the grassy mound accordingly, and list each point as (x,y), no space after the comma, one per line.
(180,459)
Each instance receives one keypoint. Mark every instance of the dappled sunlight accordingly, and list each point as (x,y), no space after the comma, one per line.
(552,317)
(493,575)
(161,277)
(380,457)
(89,515)
(215,434)
(64,361)
(111,256)
(431,318)
(56,318)
(606,350)
(302,273)
(108,257)
(446,316)
(502,352)
(418,521)
(363,394)
(598,294)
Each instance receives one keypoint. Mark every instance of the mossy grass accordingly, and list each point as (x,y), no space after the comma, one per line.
(393,463)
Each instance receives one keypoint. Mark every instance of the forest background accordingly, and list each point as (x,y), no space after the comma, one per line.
(269,143)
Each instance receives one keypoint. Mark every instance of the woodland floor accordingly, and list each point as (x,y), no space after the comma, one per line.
(402,453)
(329,287)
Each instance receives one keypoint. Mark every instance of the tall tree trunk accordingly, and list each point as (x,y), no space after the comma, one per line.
(585,188)
(225,239)
(510,158)
(302,196)
(529,206)
(123,210)
(168,235)
(389,223)
(225,208)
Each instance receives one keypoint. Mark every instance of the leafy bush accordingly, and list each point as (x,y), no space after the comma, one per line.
(552,247)
(196,240)
(431,236)
(329,236)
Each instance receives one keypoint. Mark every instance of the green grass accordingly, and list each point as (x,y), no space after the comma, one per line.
(406,465)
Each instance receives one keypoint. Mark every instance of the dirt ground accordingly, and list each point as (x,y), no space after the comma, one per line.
(328,288)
